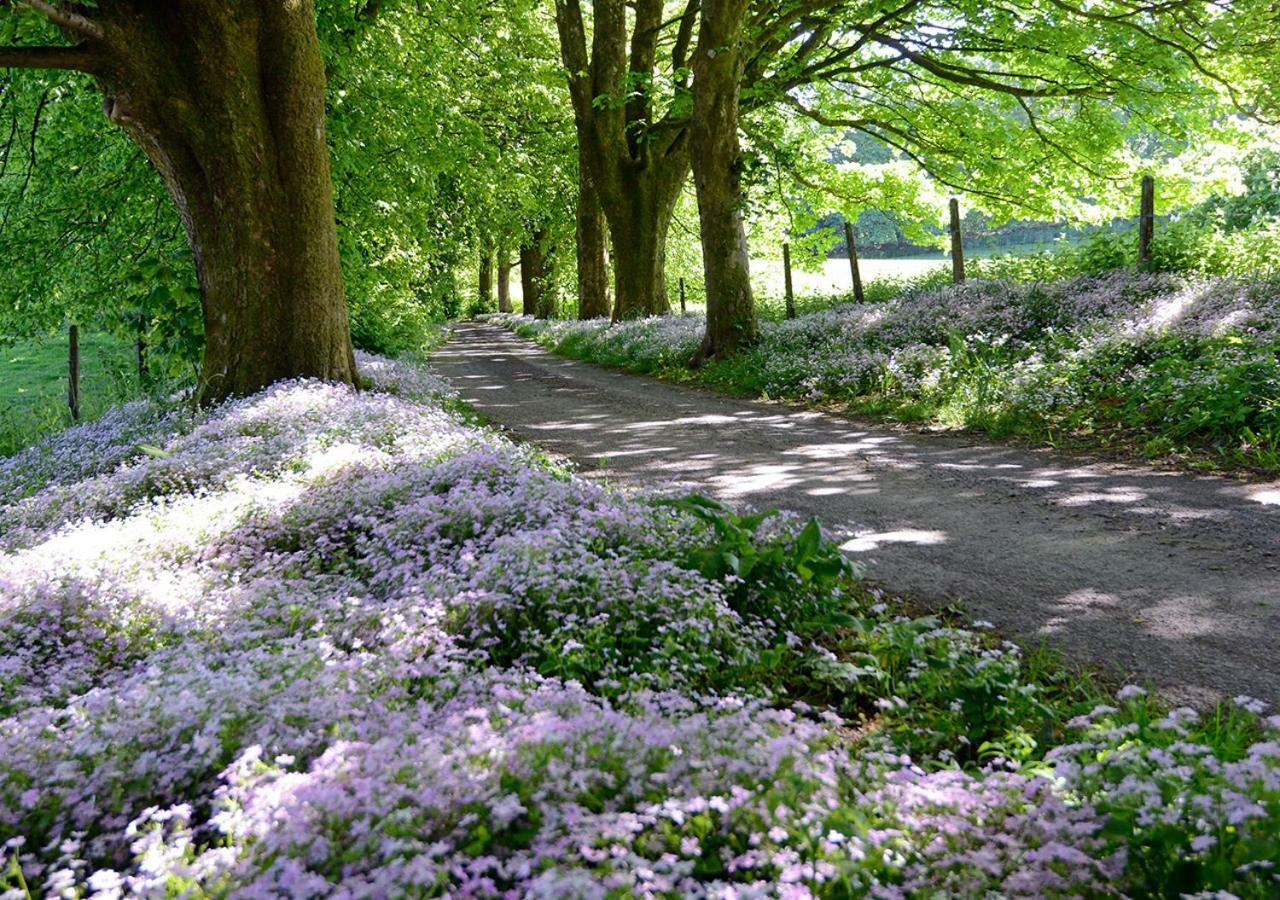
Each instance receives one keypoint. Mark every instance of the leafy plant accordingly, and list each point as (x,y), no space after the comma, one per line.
(758,568)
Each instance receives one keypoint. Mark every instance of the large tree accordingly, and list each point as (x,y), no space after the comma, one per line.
(718,67)
(227,101)
(592,242)
(1020,104)
(632,132)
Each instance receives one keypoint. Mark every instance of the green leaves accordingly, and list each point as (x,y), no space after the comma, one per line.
(739,550)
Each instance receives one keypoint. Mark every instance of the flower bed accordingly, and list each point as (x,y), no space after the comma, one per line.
(320,641)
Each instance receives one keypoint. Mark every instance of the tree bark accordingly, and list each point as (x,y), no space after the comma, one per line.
(1146,219)
(535,277)
(73,371)
(504,281)
(855,272)
(957,243)
(716,151)
(140,345)
(639,218)
(486,275)
(637,166)
(228,103)
(593,266)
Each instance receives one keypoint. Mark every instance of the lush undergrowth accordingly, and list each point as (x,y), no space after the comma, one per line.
(33,385)
(319,640)
(1153,363)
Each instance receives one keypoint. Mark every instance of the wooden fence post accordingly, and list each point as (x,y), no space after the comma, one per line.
(1146,219)
(683,307)
(858,295)
(141,346)
(786,274)
(73,371)
(957,244)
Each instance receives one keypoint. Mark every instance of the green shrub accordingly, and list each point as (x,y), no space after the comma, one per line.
(392,323)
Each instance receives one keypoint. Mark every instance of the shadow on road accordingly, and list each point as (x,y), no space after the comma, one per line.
(1153,574)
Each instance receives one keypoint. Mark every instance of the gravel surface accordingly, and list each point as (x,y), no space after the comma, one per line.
(1150,574)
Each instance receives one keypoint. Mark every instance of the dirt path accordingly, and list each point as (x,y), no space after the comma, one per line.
(1156,575)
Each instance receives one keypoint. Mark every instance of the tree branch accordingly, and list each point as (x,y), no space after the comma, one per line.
(79,59)
(684,37)
(977,77)
(65,18)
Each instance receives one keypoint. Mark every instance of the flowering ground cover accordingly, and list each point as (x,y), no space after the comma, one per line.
(319,641)
(1156,363)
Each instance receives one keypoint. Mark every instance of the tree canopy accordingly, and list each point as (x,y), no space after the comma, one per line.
(460,132)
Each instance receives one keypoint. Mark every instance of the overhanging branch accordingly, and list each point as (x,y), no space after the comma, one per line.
(59,14)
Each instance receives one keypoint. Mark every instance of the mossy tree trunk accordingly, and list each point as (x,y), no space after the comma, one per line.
(504,280)
(535,276)
(593,265)
(636,164)
(227,100)
(485,287)
(717,161)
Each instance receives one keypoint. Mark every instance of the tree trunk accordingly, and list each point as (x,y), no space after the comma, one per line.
(593,267)
(486,275)
(716,151)
(504,281)
(141,346)
(855,273)
(639,219)
(636,163)
(535,277)
(1146,219)
(228,103)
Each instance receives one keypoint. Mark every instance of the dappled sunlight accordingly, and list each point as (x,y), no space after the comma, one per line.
(678,422)
(642,451)
(1110,495)
(1183,617)
(759,479)
(566,426)
(1168,310)
(1089,554)
(872,540)
(979,466)
(1205,307)
(869,446)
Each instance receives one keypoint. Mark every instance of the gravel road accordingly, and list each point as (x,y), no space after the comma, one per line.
(1151,574)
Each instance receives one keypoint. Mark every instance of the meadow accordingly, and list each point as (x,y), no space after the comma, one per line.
(33,384)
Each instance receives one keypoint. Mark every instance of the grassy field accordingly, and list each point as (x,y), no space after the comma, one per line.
(33,384)
(834,277)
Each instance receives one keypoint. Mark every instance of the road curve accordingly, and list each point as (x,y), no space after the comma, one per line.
(1151,574)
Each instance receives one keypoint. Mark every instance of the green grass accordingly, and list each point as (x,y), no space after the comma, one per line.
(33,373)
